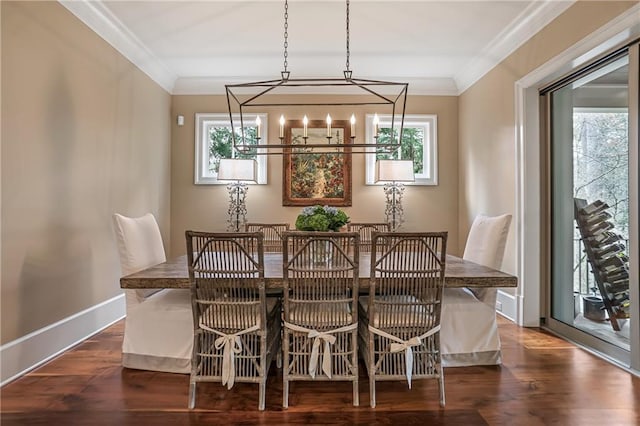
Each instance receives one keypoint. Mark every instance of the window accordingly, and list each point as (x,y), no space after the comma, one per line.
(419,139)
(601,160)
(213,142)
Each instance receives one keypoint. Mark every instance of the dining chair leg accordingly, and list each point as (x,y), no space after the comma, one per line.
(441,385)
(192,395)
(372,390)
(356,394)
(262,393)
(285,394)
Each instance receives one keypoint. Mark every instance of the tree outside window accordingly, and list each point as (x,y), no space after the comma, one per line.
(214,141)
(419,142)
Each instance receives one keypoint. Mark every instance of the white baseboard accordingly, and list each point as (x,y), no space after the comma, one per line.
(28,352)
(507,305)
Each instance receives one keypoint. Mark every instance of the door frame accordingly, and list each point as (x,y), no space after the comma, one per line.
(531,203)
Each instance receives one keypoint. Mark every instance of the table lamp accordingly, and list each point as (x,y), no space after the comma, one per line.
(239,172)
(394,173)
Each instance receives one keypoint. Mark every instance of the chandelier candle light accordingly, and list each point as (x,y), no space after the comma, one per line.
(394,173)
(288,93)
(239,172)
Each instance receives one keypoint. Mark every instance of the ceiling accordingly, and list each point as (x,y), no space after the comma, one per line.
(196,47)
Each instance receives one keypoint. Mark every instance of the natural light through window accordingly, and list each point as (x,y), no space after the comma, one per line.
(419,142)
(214,142)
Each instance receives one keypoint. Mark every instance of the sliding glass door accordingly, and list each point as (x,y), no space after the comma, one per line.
(593,199)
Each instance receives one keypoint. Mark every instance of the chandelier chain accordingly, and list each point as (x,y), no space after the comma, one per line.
(286,33)
(251,94)
(348,35)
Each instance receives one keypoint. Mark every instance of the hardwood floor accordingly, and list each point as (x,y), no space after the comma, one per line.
(543,380)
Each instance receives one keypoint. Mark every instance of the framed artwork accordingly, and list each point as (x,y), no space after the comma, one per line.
(314,176)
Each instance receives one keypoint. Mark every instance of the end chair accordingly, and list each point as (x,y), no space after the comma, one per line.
(236,327)
(469,326)
(158,328)
(321,272)
(399,327)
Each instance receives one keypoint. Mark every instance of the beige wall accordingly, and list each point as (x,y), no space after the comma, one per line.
(204,207)
(84,134)
(487,118)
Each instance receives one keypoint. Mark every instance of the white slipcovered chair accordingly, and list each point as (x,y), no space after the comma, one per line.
(158,330)
(469,334)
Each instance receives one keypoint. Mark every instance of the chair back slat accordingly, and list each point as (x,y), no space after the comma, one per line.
(365,229)
(320,271)
(407,279)
(227,278)
(272,233)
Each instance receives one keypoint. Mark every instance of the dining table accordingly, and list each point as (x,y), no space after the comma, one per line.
(459,272)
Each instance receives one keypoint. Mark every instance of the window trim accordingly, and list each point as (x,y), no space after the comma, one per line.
(202,120)
(429,146)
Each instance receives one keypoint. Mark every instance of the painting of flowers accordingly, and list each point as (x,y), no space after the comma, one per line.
(317,175)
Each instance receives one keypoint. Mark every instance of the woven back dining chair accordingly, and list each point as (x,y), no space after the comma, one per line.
(399,327)
(272,233)
(321,273)
(364,230)
(236,327)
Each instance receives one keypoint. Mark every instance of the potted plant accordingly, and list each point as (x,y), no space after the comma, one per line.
(321,218)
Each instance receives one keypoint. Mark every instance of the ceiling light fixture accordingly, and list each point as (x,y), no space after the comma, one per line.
(338,96)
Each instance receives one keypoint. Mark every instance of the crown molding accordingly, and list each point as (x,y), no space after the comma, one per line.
(535,17)
(216,85)
(99,18)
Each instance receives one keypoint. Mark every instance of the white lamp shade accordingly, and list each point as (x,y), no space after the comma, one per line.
(238,169)
(394,171)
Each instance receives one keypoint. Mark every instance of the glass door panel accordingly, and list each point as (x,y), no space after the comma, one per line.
(589,129)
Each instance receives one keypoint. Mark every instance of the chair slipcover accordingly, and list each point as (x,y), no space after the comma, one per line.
(469,329)
(158,333)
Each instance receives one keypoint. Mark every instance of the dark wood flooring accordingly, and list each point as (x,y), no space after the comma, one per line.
(543,381)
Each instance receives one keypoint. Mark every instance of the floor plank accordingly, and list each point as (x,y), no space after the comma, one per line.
(543,380)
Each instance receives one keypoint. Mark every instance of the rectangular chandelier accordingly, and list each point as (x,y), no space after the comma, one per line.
(313,100)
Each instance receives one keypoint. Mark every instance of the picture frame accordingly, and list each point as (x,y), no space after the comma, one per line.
(316,176)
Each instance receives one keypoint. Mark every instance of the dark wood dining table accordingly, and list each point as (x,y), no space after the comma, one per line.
(458,273)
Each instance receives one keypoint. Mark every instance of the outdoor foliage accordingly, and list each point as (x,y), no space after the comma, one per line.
(221,145)
(600,172)
(601,163)
(410,147)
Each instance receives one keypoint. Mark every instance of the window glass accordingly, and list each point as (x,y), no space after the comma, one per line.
(419,142)
(214,141)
